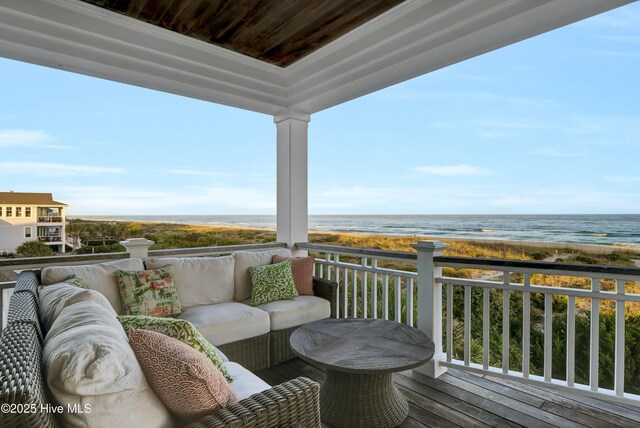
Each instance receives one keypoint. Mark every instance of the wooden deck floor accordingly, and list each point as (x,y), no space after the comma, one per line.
(461,399)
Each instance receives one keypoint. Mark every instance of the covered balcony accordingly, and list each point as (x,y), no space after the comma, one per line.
(472,380)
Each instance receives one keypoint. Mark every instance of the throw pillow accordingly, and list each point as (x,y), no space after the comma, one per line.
(148,292)
(272,282)
(185,380)
(76,281)
(179,329)
(302,269)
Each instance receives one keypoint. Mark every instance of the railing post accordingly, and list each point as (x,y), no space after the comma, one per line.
(430,302)
(137,247)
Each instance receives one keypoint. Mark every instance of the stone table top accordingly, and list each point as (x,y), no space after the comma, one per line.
(362,345)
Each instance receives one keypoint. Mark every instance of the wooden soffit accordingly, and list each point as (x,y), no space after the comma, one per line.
(275,31)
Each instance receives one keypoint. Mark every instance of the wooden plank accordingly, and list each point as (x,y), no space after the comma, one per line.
(271,376)
(582,418)
(478,397)
(307,370)
(458,405)
(439,409)
(605,410)
(408,423)
(429,419)
(485,383)
(541,417)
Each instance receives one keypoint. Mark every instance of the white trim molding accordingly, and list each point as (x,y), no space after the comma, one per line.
(414,38)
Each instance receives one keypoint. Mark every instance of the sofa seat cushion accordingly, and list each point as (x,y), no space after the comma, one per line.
(227,322)
(89,364)
(100,277)
(200,280)
(245,383)
(246,259)
(301,310)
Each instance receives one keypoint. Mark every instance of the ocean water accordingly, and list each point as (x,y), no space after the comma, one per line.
(585,229)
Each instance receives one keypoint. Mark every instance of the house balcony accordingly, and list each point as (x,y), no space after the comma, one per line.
(51,239)
(50,219)
(494,326)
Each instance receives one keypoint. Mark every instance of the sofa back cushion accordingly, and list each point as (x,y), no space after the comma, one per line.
(246,259)
(100,277)
(54,298)
(88,364)
(199,280)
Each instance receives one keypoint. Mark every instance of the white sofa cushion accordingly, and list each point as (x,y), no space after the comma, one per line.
(199,280)
(246,259)
(295,312)
(227,322)
(88,363)
(100,277)
(55,297)
(245,383)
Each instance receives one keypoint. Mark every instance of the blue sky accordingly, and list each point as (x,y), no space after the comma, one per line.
(549,125)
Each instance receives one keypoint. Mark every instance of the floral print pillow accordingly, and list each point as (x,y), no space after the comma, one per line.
(149,292)
(179,329)
(272,282)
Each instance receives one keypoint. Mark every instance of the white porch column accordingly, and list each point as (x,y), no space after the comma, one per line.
(137,247)
(430,302)
(292,207)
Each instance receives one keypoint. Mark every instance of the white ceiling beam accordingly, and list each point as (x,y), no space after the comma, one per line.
(414,38)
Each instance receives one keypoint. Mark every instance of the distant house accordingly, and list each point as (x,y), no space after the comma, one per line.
(30,216)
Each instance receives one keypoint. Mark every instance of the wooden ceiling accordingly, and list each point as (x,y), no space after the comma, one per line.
(279,32)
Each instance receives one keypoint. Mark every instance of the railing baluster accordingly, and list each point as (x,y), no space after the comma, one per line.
(385,297)
(467,325)
(345,293)
(410,302)
(571,340)
(338,289)
(548,335)
(374,289)
(619,354)
(320,272)
(526,326)
(485,328)
(594,361)
(354,293)
(449,322)
(328,259)
(506,320)
(365,301)
(398,299)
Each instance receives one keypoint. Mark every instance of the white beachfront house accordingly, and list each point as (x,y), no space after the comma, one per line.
(30,216)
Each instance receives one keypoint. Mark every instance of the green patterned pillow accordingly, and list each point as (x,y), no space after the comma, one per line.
(149,292)
(272,282)
(76,281)
(181,330)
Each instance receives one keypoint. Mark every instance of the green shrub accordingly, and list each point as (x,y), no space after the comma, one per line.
(34,249)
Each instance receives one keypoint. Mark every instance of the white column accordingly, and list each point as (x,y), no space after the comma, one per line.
(292,206)
(430,302)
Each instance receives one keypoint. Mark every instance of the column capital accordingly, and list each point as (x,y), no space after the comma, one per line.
(137,247)
(430,246)
(294,114)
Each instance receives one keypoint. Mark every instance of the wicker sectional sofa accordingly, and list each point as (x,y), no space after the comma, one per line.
(293,403)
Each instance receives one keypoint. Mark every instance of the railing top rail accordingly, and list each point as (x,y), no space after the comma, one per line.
(539,267)
(215,250)
(38,262)
(383,254)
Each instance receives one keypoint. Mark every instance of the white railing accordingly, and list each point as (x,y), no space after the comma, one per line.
(354,268)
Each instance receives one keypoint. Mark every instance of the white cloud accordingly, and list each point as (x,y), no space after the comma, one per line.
(49,169)
(26,138)
(623,179)
(199,173)
(452,170)
(557,153)
(191,200)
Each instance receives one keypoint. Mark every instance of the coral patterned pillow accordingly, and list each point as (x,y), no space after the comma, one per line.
(148,292)
(186,381)
(302,269)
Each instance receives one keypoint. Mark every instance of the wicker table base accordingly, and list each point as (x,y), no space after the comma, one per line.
(361,400)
